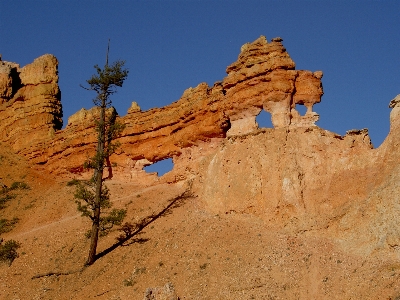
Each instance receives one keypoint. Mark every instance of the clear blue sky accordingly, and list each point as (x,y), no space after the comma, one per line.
(170,46)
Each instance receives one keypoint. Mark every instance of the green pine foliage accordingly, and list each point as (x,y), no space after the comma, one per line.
(93,197)
(85,201)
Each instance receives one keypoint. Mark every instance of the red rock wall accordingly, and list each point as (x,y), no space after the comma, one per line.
(263,77)
(30,107)
(297,175)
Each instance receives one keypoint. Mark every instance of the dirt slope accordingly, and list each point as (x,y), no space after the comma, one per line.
(204,255)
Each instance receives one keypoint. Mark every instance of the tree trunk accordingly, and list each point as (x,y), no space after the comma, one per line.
(94,235)
(98,177)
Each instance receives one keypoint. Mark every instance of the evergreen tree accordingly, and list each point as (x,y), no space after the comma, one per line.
(93,196)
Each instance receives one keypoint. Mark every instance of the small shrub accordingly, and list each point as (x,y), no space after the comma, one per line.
(5,199)
(19,185)
(129,282)
(88,234)
(138,271)
(30,205)
(14,186)
(7,225)
(5,191)
(73,182)
(8,251)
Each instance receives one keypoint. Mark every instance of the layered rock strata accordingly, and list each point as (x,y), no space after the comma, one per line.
(30,107)
(320,195)
(263,77)
(307,180)
(296,175)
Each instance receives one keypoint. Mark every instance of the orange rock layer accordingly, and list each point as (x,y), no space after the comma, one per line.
(263,77)
(30,107)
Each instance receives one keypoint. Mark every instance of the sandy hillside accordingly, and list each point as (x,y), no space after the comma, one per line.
(203,255)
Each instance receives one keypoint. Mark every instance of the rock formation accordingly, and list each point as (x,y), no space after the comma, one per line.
(303,183)
(30,107)
(263,77)
(166,292)
(294,169)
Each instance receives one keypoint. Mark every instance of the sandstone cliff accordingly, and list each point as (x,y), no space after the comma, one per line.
(262,78)
(30,107)
(296,174)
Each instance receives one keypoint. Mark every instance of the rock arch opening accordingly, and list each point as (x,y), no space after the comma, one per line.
(160,167)
(301,109)
(264,119)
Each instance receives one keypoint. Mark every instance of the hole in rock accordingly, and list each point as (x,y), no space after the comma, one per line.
(264,120)
(301,109)
(161,167)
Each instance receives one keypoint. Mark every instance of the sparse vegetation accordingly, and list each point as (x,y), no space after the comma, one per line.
(7,225)
(4,199)
(30,205)
(8,251)
(19,185)
(129,282)
(5,194)
(73,182)
(8,192)
(114,217)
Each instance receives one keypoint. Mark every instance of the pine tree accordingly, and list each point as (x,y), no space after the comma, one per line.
(93,196)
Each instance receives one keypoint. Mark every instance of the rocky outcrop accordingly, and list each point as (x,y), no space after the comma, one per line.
(9,80)
(30,107)
(308,181)
(166,292)
(304,172)
(263,77)
(395,114)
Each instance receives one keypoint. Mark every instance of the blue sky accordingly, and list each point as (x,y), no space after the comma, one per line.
(170,46)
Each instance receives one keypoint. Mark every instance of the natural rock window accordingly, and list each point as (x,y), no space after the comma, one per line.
(160,167)
(264,120)
(301,109)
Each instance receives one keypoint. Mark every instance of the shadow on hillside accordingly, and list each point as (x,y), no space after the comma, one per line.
(131,231)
